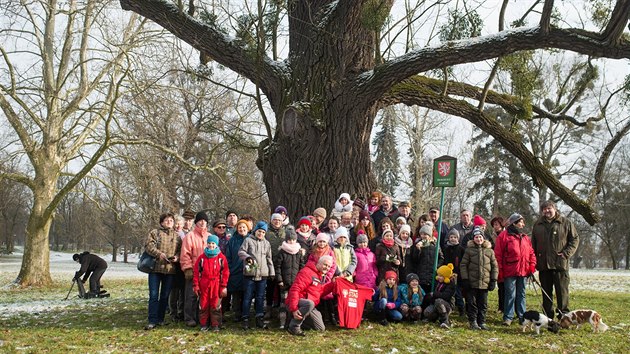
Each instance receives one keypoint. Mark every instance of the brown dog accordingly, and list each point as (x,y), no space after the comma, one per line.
(580,317)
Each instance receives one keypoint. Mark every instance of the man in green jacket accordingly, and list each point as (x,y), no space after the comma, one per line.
(555,240)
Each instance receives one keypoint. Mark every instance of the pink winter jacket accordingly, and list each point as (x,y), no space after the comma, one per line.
(365,272)
(192,247)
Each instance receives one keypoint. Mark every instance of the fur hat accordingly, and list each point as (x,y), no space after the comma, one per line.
(321,212)
(304,220)
(412,276)
(341,232)
(289,233)
(359,203)
(364,214)
(391,274)
(213,238)
(188,214)
(201,216)
(322,237)
(445,271)
(478,220)
(345,195)
(426,229)
(513,219)
(276,216)
(362,237)
(261,225)
(280,209)
(405,228)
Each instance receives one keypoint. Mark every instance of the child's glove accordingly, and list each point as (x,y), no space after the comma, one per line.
(188,274)
(390,306)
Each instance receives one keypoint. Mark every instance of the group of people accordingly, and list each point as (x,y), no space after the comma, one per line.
(300,275)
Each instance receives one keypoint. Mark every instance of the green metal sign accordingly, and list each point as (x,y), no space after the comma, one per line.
(444,171)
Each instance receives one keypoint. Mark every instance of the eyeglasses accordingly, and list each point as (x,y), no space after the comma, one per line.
(220,227)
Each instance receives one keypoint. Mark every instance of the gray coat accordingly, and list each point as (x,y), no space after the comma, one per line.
(479,265)
(260,252)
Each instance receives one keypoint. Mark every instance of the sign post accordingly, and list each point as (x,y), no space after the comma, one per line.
(444,175)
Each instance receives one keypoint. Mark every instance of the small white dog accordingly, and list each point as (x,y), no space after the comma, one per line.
(580,317)
(537,320)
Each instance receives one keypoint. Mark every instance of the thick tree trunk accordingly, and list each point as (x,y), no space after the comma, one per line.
(318,155)
(35,270)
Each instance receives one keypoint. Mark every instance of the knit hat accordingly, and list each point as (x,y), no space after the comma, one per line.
(359,203)
(364,214)
(362,237)
(276,216)
(321,212)
(201,216)
(478,220)
(513,219)
(213,238)
(304,220)
(412,276)
(261,225)
(445,271)
(341,232)
(289,233)
(427,230)
(405,228)
(322,237)
(453,232)
(280,209)
(218,222)
(388,232)
(391,274)
(477,231)
(401,218)
(230,211)
(188,214)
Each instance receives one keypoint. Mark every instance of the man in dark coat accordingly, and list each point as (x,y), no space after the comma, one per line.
(93,267)
(554,239)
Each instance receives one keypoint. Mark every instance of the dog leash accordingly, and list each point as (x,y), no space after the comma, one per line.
(534,282)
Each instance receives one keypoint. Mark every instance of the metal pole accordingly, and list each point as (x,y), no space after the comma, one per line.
(437,244)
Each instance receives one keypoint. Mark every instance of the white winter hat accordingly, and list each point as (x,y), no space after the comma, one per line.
(341,232)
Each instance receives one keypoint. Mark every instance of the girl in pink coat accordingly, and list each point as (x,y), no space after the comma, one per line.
(365,273)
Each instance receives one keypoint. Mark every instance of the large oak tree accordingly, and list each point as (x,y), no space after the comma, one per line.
(327,92)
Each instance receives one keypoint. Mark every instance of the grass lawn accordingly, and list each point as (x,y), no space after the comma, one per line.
(115,325)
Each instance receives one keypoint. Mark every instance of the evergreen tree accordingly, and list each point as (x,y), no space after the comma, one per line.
(386,163)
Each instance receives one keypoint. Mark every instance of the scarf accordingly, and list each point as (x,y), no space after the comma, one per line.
(514,230)
(290,248)
(305,236)
(403,244)
(211,253)
(317,252)
(388,243)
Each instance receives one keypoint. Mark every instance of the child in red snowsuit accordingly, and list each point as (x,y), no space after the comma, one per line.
(210,277)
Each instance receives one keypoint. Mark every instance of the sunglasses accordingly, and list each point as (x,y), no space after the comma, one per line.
(220,227)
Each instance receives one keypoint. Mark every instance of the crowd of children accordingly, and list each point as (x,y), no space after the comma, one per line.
(414,276)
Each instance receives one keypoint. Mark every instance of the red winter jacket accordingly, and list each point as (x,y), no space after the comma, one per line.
(515,255)
(209,272)
(309,285)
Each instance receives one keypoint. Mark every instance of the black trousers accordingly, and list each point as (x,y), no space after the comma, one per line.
(477,305)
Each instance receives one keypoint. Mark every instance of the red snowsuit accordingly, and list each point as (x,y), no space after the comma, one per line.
(210,277)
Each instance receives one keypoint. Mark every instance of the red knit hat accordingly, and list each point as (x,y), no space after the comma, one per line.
(478,221)
(391,274)
(364,214)
(304,220)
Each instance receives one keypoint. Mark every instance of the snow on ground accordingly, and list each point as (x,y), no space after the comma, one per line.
(62,267)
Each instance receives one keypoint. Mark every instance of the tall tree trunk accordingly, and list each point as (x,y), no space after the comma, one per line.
(35,270)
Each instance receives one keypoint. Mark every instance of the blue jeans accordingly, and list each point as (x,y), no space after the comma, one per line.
(392,315)
(257,288)
(514,292)
(158,297)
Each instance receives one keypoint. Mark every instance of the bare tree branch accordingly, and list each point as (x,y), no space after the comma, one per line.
(617,23)
(545,18)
